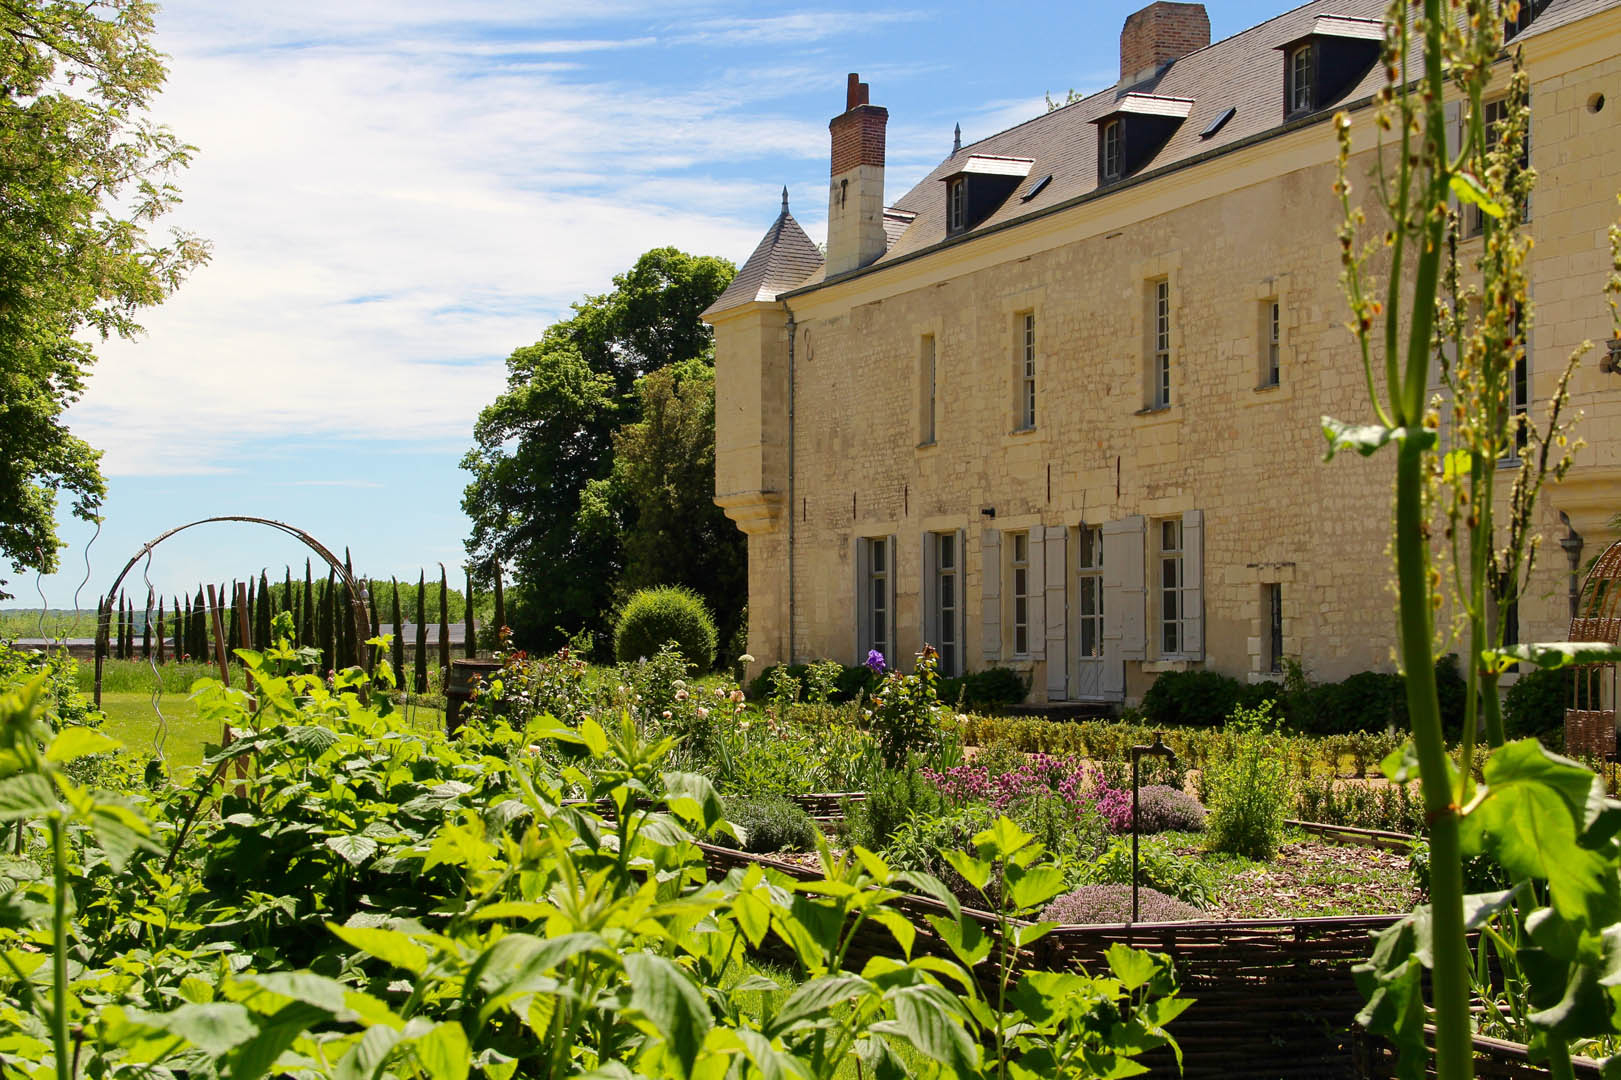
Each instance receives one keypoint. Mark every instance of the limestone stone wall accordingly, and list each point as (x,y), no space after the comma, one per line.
(1229,237)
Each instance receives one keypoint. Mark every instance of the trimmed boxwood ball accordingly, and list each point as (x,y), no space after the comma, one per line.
(654,617)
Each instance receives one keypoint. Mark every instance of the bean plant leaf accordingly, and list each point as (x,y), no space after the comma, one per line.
(927,1016)
(25,795)
(366,1058)
(1132,967)
(72,743)
(444,1052)
(672,1005)
(389,946)
(815,998)
(1552,655)
(1035,886)
(1366,439)
(354,849)
(215,1028)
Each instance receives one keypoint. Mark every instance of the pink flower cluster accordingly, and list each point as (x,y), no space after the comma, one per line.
(1115,806)
(1066,777)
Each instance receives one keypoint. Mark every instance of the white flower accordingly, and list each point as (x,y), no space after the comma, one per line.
(681,695)
(703,713)
(666,714)
(745,659)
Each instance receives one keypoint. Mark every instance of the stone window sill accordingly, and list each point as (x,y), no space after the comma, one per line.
(1154,667)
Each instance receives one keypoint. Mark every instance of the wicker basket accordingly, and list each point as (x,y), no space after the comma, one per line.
(1596,629)
(1590,732)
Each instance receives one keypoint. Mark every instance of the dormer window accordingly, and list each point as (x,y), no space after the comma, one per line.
(1528,10)
(980,185)
(1139,126)
(1300,79)
(1112,150)
(1326,64)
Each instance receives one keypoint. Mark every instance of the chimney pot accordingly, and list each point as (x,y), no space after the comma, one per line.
(855,228)
(1159,34)
(855,92)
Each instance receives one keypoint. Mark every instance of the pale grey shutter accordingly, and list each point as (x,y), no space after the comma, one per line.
(894,625)
(862,561)
(1036,582)
(1057,549)
(962,602)
(1193,579)
(928,596)
(990,595)
(1125,594)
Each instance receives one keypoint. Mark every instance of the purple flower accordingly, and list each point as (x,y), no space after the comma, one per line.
(875,660)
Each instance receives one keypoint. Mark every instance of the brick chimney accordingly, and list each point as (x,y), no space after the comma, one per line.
(1158,34)
(855,200)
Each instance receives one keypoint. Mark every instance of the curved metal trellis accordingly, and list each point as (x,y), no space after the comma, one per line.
(357,605)
(1590,720)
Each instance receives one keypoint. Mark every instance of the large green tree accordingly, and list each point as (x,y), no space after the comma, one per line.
(83,176)
(543,442)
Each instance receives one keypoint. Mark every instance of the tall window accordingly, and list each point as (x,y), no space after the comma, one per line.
(1089,592)
(1519,392)
(1160,368)
(1172,584)
(1272,611)
(1111,150)
(926,391)
(1271,317)
(1020,564)
(1300,79)
(956,205)
(946,600)
(877,621)
(1027,370)
(1493,114)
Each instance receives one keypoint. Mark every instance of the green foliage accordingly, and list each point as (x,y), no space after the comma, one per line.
(1195,698)
(655,617)
(1535,705)
(1248,794)
(901,796)
(1159,867)
(822,681)
(86,174)
(991,688)
(906,716)
(768,823)
(543,491)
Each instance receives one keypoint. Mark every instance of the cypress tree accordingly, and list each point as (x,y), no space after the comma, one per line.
(179,629)
(129,626)
(421,658)
(162,659)
(146,629)
(329,641)
(287,600)
(444,627)
(398,644)
(118,650)
(253,602)
(199,628)
(262,613)
(376,627)
(233,631)
(306,624)
(471,644)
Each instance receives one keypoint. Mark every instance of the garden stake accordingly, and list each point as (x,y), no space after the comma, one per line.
(1157,749)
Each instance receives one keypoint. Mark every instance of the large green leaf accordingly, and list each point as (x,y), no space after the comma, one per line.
(367,1057)
(353,848)
(389,946)
(663,994)
(1034,886)
(444,1052)
(1552,655)
(814,998)
(72,743)
(927,1015)
(1365,439)
(215,1027)
(25,795)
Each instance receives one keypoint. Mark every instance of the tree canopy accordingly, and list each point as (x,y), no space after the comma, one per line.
(83,176)
(568,468)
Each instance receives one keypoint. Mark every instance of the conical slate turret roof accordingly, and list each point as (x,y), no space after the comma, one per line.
(783,260)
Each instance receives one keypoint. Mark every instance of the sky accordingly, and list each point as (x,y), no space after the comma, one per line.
(399,193)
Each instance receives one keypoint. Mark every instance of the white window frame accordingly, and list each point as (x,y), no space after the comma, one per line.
(947,600)
(957,204)
(1160,360)
(1019,592)
(1113,147)
(1302,72)
(1170,588)
(1027,370)
(1089,624)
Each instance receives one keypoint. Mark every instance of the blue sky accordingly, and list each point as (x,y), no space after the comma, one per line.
(401,192)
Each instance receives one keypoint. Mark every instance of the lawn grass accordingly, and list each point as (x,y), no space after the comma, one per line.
(132,720)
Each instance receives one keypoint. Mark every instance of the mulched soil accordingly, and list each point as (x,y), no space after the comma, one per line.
(1309,878)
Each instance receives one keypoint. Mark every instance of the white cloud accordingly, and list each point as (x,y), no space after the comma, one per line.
(798,28)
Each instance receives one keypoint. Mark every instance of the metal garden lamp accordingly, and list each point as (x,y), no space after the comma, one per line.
(1155,749)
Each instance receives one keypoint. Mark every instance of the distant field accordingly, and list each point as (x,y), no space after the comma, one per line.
(25,623)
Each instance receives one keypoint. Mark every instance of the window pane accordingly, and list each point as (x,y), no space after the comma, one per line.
(948,551)
(948,593)
(878,556)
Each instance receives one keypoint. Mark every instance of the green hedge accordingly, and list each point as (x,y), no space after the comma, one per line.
(992,688)
(655,617)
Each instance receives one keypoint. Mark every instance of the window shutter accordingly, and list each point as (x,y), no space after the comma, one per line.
(962,601)
(1193,577)
(894,622)
(1037,584)
(990,595)
(1125,595)
(1057,548)
(928,598)
(862,561)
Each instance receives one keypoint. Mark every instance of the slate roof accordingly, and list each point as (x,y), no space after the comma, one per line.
(1244,72)
(784,258)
